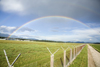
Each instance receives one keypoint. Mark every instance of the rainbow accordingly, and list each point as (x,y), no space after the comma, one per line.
(46,17)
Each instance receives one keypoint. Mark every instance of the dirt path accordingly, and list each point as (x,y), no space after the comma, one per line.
(95,55)
(90,59)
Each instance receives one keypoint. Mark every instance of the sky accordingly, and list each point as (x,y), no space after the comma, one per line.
(59,20)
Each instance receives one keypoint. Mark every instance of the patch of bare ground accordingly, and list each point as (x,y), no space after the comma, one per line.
(93,57)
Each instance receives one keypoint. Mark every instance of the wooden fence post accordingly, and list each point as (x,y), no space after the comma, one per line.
(52,57)
(74,52)
(64,58)
(6,58)
(52,60)
(70,55)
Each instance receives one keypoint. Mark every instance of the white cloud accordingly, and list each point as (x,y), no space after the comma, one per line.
(12,5)
(22,6)
(64,37)
(86,32)
(7,29)
(90,39)
(77,35)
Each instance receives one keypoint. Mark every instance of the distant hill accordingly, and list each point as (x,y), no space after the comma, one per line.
(33,39)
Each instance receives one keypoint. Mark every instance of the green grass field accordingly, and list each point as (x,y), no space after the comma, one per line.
(33,54)
(81,59)
(96,46)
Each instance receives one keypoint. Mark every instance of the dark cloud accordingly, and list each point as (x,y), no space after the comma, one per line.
(71,8)
(54,30)
(83,10)
(9,30)
(23,29)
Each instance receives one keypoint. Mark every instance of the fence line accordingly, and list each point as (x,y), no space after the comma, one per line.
(71,58)
(73,54)
(78,50)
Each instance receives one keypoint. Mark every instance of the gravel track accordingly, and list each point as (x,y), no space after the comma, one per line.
(95,55)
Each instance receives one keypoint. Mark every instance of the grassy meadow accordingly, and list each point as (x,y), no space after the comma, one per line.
(33,54)
(96,46)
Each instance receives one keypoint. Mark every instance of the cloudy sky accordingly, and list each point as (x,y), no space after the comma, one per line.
(60,20)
